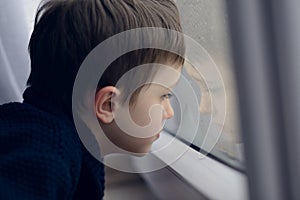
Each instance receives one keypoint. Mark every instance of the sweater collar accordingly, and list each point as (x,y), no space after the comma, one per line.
(33,97)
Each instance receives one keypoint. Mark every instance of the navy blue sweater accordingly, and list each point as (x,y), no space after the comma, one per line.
(41,155)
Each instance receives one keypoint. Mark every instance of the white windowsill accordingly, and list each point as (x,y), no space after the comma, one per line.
(210,177)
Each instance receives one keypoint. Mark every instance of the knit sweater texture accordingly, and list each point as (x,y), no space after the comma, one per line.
(41,155)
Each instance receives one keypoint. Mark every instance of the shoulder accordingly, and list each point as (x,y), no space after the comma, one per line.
(27,124)
(24,127)
(39,151)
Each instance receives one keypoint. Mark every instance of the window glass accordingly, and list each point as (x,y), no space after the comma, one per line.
(206,22)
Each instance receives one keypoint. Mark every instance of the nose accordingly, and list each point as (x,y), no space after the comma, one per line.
(168,110)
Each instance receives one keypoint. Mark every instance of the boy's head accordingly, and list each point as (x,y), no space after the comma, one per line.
(66,31)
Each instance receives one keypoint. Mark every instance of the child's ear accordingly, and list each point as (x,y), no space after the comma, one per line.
(104,105)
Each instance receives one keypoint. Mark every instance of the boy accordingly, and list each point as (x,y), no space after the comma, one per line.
(41,155)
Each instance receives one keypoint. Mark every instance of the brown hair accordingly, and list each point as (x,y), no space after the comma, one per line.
(65,31)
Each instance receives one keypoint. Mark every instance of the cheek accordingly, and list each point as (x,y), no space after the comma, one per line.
(147,114)
(128,143)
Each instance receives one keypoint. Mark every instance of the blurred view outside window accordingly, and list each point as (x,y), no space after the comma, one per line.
(206,22)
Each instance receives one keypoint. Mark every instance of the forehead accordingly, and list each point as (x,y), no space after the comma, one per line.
(164,80)
(167,76)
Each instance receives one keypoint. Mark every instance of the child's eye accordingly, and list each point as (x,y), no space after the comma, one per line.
(167,96)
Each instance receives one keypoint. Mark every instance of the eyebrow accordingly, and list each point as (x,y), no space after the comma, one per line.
(171,86)
(174,85)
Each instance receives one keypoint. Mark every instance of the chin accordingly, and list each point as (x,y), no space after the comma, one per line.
(139,154)
(143,151)
(139,147)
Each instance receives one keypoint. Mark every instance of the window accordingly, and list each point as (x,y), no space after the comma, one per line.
(218,126)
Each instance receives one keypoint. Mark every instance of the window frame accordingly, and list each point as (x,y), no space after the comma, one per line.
(219,180)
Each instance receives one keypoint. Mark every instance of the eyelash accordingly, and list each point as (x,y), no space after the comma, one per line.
(167,96)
